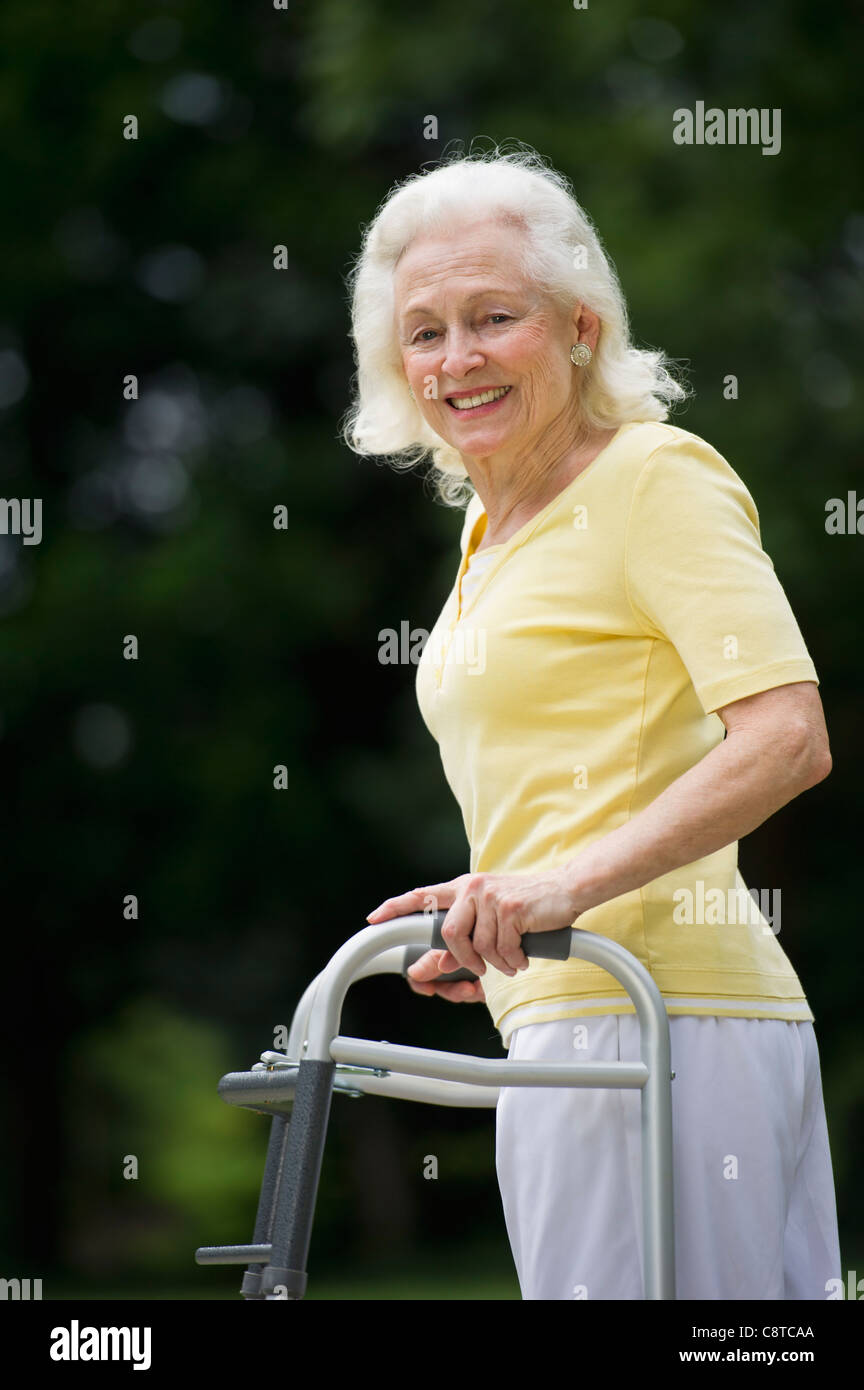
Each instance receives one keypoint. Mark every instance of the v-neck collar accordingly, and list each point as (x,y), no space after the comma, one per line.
(519,537)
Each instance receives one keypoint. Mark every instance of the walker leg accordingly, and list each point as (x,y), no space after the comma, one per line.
(657,1178)
(273,1168)
(285,1276)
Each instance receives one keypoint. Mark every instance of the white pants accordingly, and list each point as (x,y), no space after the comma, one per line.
(755,1213)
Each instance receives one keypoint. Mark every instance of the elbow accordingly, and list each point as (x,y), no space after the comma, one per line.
(824,766)
(814,758)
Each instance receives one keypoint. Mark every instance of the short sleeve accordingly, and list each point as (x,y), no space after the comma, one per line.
(698,577)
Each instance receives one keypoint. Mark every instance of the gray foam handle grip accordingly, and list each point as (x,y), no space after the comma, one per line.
(546,945)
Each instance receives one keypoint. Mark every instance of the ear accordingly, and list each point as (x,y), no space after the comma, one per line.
(586,326)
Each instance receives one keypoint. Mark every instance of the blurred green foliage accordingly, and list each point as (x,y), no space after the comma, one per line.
(258,647)
(151,1157)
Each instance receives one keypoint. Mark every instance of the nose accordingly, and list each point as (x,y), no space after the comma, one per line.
(461,355)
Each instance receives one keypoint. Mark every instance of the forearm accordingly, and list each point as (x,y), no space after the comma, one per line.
(731,791)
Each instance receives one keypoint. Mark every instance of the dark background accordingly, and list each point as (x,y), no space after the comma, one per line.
(258,647)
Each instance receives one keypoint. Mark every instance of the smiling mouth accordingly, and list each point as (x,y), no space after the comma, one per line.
(463,403)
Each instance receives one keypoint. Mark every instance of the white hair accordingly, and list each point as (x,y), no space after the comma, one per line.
(561,252)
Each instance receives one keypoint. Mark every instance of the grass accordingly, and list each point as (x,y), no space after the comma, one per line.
(464,1276)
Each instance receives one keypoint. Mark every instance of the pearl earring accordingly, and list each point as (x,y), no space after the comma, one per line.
(580,354)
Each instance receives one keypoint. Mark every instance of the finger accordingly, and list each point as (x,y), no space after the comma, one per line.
(456,991)
(427,967)
(393,907)
(399,906)
(485,936)
(510,941)
(456,933)
(421,986)
(446,962)
(425,899)
(461,991)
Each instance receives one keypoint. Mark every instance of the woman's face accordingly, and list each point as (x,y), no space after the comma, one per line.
(468,322)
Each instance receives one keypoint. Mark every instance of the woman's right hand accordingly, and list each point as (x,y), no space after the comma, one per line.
(423,977)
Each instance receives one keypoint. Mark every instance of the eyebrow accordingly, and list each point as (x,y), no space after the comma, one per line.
(478,294)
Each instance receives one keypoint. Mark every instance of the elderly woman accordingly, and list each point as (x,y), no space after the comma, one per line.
(613,578)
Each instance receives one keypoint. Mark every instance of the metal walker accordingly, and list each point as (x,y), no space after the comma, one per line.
(296,1087)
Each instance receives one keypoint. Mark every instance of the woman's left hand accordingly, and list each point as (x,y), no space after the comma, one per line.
(488,915)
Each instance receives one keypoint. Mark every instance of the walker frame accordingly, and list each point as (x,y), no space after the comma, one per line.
(296,1088)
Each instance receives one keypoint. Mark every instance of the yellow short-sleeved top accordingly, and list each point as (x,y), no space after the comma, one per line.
(577,674)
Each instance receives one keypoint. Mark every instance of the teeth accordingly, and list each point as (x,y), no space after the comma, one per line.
(469,402)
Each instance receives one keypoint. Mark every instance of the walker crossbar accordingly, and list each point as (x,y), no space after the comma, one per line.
(318,1060)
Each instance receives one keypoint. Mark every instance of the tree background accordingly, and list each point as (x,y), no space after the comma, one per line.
(259,127)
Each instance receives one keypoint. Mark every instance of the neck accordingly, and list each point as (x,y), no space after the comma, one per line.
(514,487)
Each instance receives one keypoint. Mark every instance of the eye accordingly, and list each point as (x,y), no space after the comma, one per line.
(419,338)
(499,316)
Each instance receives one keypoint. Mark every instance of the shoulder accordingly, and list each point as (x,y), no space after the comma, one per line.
(651,439)
(683,492)
(684,467)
